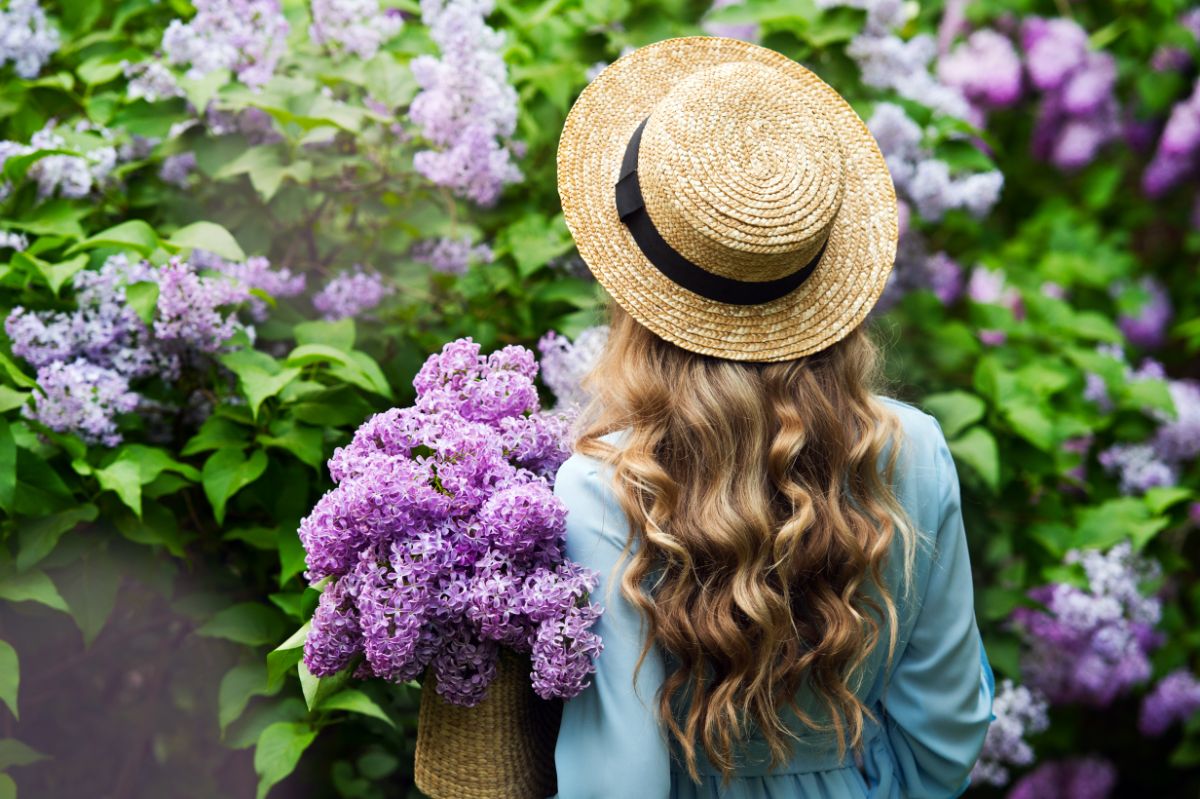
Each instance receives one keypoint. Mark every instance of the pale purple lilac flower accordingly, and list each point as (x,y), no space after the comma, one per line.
(466,107)
(246,36)
(1079,113)
(13,241)
(985,68)
(451,256)
(446,541)
(990,287)
(1148,326)
(923,180)
(351,293)
(1176,698)
(1078,778)
(353,26)
(255,124)
(566,363)
(71,176)
(27,38)
(191,309)
(150,81)
(257,273)
(81,398)
(1091,646)
(1019,712)
(889,62)
(177,169)
(1139,467)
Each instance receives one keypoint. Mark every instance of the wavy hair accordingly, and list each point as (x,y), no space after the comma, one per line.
(762,524)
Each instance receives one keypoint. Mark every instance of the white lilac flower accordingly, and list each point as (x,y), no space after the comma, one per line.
(565,363)
(150,81)
(1019,712)
(353,26)
(27,39)
(248,37)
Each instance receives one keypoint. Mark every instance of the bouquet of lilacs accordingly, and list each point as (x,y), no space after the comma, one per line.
(443,541)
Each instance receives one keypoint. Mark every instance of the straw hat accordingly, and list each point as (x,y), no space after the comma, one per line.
(728,198)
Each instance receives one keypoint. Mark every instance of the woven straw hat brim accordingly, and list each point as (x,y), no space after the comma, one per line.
(824,309)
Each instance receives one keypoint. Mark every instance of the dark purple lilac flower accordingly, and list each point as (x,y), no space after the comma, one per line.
(27,38)
(352,26)
(1019,712)
(1147,327)
(1091,646)
(351,293)
(177,169)
(1079,778)
(245,36)
(445,525)
(1174,699)
(466,107)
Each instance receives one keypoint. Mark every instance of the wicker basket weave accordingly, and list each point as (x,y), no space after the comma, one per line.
(503,748)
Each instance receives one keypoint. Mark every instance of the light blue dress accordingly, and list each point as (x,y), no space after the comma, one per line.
(934,713)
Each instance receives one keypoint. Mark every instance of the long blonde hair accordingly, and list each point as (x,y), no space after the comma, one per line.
(754,495)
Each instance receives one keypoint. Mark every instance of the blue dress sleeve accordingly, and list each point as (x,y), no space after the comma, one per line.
(938,702)
(610,743)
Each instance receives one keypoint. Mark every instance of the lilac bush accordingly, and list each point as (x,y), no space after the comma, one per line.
(444,539)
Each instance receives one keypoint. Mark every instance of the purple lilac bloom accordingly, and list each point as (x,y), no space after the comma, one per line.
(177,169)
(191,308)
(985,68)
(245,36)
(1019,712)
(1091,646)
(466,107)
(1078,113)
(1176,698)
(566,363)
(1147,327)
(27,39)
(71,176)
(452,256)
(1079,778)
(13,241)
(1176,154)
(351,293)
(353,26)
(150,81)
(81,398)
(990,287)
(253,273)
(923,180)
(445,539)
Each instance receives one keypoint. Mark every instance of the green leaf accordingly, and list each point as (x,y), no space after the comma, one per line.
(54,274)
(11,399)
(8,467)
(208,236)
(15,753)
(282,658)
(249,623)
(1031,423)
(124,479)
(355,701)
(10,676)
(1117,520)
(30,586)
(303,442)
(228,471)
(534,240)
(363,372)
(316,689)
(955,410)
(199,91)
(133,234)
(142,297)
(338,406)
(239,685)
(1160,498)
(977,448)
(37,537)
(306,354)
(291,553)
(8,788)
(338,335)
(259,375)
(91,593)
(217,432)
(278,751)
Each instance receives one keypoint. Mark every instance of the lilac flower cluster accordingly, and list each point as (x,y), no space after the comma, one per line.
(985,68)
(255,272)
(1091,646)
(566,363)
(1078,778)
(353,26)
(990,287)
(86,359)
(466,106)
(71,176)
(351,293)
(150,81)
(27,39)
(1176,698)
(451,256)
(177,169)
(1019,712)
(245,36)
(1079,112)
(13,241)
(1147,327)
(446,540)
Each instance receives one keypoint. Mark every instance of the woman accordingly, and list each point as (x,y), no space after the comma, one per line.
(788,595)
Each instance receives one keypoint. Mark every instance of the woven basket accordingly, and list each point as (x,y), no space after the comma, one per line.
(503,748)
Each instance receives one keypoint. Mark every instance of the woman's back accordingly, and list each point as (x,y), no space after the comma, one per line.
(932,703)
